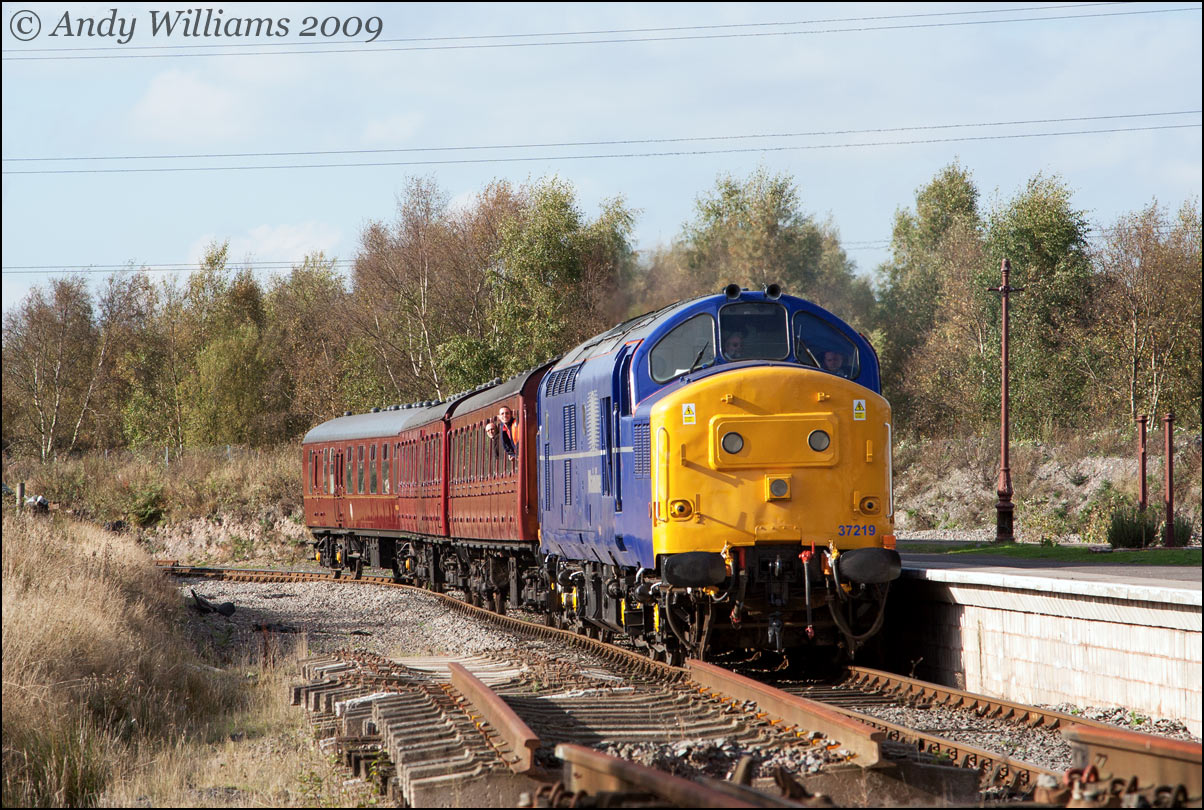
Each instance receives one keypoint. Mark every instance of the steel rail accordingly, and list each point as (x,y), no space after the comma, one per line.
(518,736)
(903,688)
(590,771)
(861,739)
(860,733)
(1156,762)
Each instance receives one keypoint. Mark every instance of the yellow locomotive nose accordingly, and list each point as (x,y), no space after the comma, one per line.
(770,454)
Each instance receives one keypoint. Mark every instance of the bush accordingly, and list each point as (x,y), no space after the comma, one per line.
(1131,527)
(1183,531)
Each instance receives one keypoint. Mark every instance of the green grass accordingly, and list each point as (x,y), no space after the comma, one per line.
(1031,551)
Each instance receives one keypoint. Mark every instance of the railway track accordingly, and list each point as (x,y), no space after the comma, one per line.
(1111,761)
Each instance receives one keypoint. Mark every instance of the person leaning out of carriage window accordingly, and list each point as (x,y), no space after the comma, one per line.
(507,428)
(834,364)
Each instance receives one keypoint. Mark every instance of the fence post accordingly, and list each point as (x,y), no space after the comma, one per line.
(1143,495)
(1168,483)
(166,455)
(20,496)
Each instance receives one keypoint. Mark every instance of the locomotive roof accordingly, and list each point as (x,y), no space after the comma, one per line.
(637,328)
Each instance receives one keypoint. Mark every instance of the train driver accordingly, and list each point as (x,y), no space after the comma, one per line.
(733,346)
(834,363)
(508,431)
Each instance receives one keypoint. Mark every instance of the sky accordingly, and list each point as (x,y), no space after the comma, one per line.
(514,81)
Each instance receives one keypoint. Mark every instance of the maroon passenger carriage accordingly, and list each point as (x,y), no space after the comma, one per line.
(392,487)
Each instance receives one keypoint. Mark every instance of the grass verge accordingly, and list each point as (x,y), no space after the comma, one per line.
(1031,551)
(108,700)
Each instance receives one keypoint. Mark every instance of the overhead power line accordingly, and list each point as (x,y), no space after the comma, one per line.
(591,32)
(620,142)
(368,47)
(1100,231)
(611,156)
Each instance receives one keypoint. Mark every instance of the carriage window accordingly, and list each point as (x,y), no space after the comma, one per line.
(359,470)
(819,344)
(372,469)
(753,331)
(688,347)
(347,482)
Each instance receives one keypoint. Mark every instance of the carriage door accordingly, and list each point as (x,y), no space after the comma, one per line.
(339,487)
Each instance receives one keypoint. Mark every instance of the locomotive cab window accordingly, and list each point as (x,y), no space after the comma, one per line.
(689,347)
(753,331)
(819,344)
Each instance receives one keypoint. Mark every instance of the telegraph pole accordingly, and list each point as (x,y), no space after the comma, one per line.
(1004,507)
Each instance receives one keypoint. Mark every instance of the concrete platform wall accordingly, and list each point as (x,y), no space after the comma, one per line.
(1039,640)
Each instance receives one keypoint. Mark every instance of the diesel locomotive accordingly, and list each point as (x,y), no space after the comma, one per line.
(712,476)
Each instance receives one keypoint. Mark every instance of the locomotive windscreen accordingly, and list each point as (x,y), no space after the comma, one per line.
(754,331)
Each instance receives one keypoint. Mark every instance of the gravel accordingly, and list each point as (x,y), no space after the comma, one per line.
(334,616)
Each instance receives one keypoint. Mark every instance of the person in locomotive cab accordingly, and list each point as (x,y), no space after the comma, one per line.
(507,431)
(733,346)
(834,364)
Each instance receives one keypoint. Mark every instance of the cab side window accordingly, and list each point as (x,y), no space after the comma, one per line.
(689,347)
(821,345)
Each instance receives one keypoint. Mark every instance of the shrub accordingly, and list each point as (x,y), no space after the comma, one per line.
(1183,530)
(1130,527)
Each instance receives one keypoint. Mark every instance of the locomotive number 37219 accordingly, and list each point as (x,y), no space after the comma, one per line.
(855,530)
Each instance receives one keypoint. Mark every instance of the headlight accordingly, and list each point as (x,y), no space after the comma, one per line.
(732,443)
(819,441)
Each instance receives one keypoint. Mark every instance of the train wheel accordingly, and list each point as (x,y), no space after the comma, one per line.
(357,568)
(396,570)
(499,603)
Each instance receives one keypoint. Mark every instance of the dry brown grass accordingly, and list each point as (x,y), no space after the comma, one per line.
(94,667)
(144,490)
(106,701)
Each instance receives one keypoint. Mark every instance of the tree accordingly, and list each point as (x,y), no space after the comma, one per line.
(52,359)
(1147,338)
(917,275)
(305,347)
(1045,239)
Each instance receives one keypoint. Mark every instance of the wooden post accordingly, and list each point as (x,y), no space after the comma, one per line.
(20,496)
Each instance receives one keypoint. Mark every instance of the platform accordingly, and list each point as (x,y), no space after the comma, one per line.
(1107,634)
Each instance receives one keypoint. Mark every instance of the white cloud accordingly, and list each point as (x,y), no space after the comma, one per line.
(181,107)
(275,243)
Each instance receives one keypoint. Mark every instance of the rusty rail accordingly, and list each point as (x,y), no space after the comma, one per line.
(904,688)
(521,740)
(861,739)
(861,734)
(590,771)
(1156,762)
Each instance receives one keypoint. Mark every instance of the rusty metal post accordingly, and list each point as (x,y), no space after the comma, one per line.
(1168,482)
(1004,507)
(1143,494)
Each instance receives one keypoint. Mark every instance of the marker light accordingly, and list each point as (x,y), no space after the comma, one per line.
(819,441)
(732,443)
